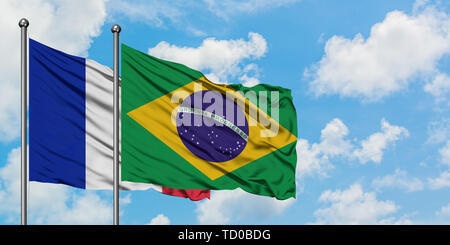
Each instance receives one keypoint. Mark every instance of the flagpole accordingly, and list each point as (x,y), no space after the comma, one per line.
(23,24)
(115,29)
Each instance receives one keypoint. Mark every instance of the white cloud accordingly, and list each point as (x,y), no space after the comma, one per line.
(10,183)
(444,211)
(311,160)
(9,109)
(66,25)
(439,86)
(398,49)
(249,81)
(250,74)
(438,131)
(160,219)
(332,138)
(354,206)
(228,8)
(445,153)
(372,148)
(398,180)
(419,5)
(316,158)
(222,59)
(443,180)
(49,203)
(440,182)
(402,220)
(229,206)
(87,208)
(125,199)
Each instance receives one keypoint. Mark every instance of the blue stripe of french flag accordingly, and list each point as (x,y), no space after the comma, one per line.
(71,121)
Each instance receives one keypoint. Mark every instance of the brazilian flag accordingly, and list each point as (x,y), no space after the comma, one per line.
(182,131)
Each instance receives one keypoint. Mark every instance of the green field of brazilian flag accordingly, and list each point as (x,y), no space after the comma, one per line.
(255,152)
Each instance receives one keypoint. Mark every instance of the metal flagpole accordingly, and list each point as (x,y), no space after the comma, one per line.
(115,29)
(23,24)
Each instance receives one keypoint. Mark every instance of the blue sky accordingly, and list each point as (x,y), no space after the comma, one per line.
(370,82)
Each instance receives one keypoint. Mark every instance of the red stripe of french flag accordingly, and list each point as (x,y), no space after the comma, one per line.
(194,194)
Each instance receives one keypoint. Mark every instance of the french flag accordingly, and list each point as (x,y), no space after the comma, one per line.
(71,123)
